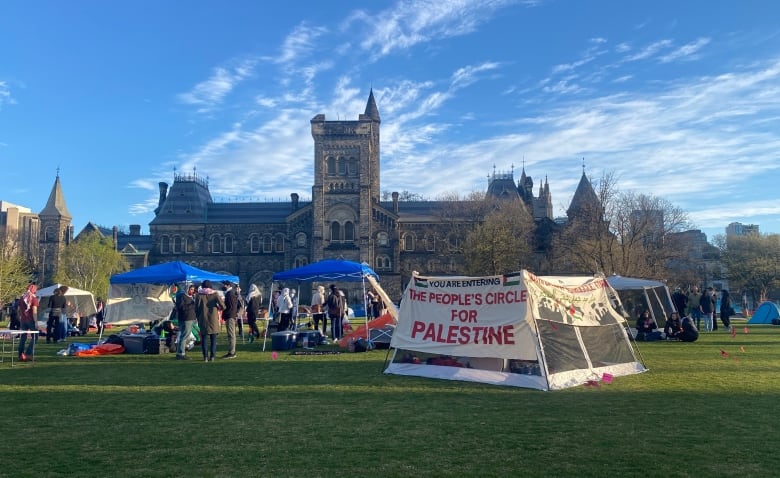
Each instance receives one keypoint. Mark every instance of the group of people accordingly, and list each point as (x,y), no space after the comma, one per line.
(691,310)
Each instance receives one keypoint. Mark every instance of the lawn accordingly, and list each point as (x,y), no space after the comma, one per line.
(704,409)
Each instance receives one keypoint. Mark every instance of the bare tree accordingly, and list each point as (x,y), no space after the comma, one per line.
(752,262)
(502,242)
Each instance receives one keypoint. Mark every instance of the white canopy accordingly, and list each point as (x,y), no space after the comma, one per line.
(81,301)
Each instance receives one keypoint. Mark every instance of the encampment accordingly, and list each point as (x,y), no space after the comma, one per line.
(143,295)
(637,295)
(81,301)
(765,314)
(520,330)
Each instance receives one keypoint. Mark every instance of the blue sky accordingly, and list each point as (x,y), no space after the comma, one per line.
(678,99)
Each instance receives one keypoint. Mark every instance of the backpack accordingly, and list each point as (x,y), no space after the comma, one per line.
(335,305)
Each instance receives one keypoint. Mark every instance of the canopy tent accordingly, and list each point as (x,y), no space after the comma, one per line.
(637,295)
(81,302)
(333,270)
(143,295)
(765,313)
(519,330)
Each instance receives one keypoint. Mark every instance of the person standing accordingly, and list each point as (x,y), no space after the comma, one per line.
(57,305)
(714,299)
(100,315)
(254,301)
(28,315)
(694,312)
(230,316)
(185,314)
(726,307)
(335,311)
(208,304)
(706,308)
(284,305)
(680,301)
(13,324)
(317,312)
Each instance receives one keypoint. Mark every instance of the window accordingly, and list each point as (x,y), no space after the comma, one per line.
(335,231)
(254,243)
(48,235)
(408,241)
(453,242)
(189,245)
(342,164)
(349,231)
(382,239)
(267,244)
(279,243)
(382,262)
(176,245)
(430,242)
(165,244)
(228,244)
(215,244)
(300,261)
(353,167)
(300,239)
(331,165)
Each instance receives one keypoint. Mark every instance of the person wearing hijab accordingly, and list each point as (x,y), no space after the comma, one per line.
(208,305)
(28,313)
(254,300)
(185,315)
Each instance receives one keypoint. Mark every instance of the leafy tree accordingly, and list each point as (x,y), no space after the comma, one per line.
(752,262)
(502,242)
(89,262)
(14,271)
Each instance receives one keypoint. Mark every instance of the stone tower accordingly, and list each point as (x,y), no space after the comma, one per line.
(55,233)
(346,185)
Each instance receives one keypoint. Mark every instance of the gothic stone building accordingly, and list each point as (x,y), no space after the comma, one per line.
(345,218)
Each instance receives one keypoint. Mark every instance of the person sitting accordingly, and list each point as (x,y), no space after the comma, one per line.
(646,328)
(673,327)
(689,331)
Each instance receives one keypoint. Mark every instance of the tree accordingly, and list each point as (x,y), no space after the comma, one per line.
(752,262)
(89,262)
(502,242)
(14,271)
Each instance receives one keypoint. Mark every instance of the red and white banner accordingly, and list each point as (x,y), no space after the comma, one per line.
(465,316)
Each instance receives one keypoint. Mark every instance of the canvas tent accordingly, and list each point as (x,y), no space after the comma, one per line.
(82,301)
(765,313)
(519,330)
(143,295)
(639,294)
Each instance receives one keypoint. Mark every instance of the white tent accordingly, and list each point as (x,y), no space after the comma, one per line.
(519,330)
(639,294)
(81,301)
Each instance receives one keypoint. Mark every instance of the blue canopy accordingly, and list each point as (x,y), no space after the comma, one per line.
(327,270)
(169,273)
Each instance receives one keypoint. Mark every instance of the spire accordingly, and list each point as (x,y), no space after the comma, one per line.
(56,206)
(585,198)
(371,110)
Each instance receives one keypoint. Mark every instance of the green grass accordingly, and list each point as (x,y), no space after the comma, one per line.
(695,413)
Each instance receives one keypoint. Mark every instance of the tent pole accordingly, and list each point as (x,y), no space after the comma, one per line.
(270,311)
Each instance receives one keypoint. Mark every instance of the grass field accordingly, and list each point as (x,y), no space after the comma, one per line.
(704,409)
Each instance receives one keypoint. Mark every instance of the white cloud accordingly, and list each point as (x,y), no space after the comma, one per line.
(686,51)
(208,94)
(5,94)
(650,50)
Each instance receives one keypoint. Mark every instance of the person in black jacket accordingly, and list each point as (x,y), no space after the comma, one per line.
(646,327)
(185,314)
(726,309)
(673,327)
(229,315)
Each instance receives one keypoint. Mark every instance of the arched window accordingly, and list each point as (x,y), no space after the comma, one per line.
(453,242)
(267,244)
(408,241)
(331,165)
(335,231)
(300,239)
(215,244)
(48,235)
(382,262)
(430,242)
(342,164)
(279,243)
(189,244)
(382,239)
(165,244)
(228,244)
(176,244)
(353,167)
(254,243)
(349,231)
(300,261)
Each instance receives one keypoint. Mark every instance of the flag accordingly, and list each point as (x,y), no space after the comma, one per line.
(511,279)
(418,282)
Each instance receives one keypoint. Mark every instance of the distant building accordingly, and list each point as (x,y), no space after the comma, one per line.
(736,229)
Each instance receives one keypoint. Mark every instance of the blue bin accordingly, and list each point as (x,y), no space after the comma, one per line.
(284,340)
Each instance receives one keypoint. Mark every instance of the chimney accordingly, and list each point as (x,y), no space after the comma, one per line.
(135,229)
(395,202)
(294,197)
(163,194)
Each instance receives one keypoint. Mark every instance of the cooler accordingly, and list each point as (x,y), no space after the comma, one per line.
(134,343)
(309,338)
(284,340)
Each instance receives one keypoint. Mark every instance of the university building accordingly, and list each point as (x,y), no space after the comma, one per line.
(345,219)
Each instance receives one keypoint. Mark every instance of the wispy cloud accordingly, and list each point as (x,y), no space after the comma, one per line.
(5,94)
(688,51)
(209,93)
(650,50)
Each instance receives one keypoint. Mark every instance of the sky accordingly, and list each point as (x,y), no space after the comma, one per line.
(679,100)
